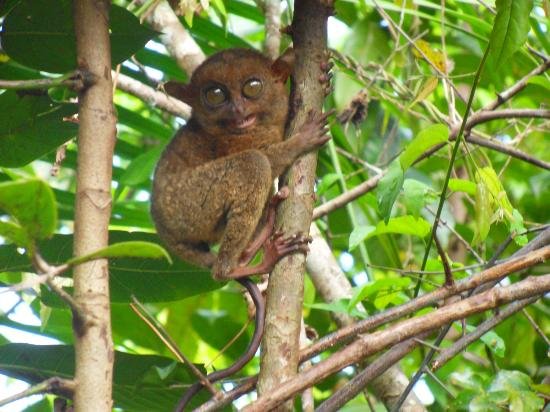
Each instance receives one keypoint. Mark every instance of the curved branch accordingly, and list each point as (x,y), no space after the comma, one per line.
(177,40)
(369,344)
(153,97)
(492,274)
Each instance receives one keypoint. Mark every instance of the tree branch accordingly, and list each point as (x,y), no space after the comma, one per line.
(177,40)
(96,138)
(280,346)
(367,345)
(517,87)
(492,274)
(153,97)
(57,386)
(450,352)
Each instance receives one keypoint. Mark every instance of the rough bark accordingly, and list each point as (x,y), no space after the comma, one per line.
(96,137)
(279,360)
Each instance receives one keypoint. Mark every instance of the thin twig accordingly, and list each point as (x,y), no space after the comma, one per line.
(445,262)
(507,94)
(450,168)
(55,385)
(165,337)
(76,80)
(458,346)
(535,326)
(489,275)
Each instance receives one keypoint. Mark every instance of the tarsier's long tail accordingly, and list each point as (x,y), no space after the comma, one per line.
(257,298)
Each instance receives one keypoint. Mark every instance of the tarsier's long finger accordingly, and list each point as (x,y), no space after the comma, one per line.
(281,195)
(294,248)
(298,240)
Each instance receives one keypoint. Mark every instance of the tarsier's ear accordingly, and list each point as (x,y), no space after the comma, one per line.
(282,67)
(183,92)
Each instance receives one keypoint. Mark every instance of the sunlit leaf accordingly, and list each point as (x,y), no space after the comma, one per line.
(389,187)
(382,292)
(416,195)
(125,249)
(509,30)
(338,306)
(405,225)
(427,88)
(31,204)
(462,185)
(426,139)
(434,57)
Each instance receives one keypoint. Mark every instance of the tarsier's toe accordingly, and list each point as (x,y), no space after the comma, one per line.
(283,192)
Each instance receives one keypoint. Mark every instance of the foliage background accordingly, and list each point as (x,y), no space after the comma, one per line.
(392,94)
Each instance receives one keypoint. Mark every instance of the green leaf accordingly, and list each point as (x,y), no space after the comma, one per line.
(326,182)
(139,381)
(382,292)
(509,30)
(517,386)
(359,234)
(489,181)
(32,204)
(149,280)
(31,126)
(516,227)
(125,249)
(405,225)
(539,81)
(211,33)
(338,306)
(15,233)
(462,185)
(388,188)
(41,35)
(493,341)
(416,195)
(483,213)
(141,168)
(426,139)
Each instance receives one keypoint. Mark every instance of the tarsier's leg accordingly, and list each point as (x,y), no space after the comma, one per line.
(245,199)
(266,230)
(253,178)
(199,254)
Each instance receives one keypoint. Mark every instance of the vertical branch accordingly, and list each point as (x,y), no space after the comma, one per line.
(272,11)
(93,343)
(279,360)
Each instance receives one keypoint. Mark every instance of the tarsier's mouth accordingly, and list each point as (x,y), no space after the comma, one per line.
(246,122)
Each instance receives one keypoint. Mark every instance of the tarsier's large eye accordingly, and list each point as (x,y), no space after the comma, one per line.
(252,88)
(215,96)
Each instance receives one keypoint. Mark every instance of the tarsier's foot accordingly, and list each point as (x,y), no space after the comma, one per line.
(326,77)
(278,246)
(267,230)
(314,132)
(281,195)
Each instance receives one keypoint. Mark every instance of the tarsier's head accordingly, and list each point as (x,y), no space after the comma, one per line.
(237,91)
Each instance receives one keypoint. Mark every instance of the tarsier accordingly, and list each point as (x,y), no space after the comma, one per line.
(213,183)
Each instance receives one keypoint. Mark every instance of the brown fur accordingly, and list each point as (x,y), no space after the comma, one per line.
(214,179)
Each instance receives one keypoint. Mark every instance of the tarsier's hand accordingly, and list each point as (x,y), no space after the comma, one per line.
(313,133)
